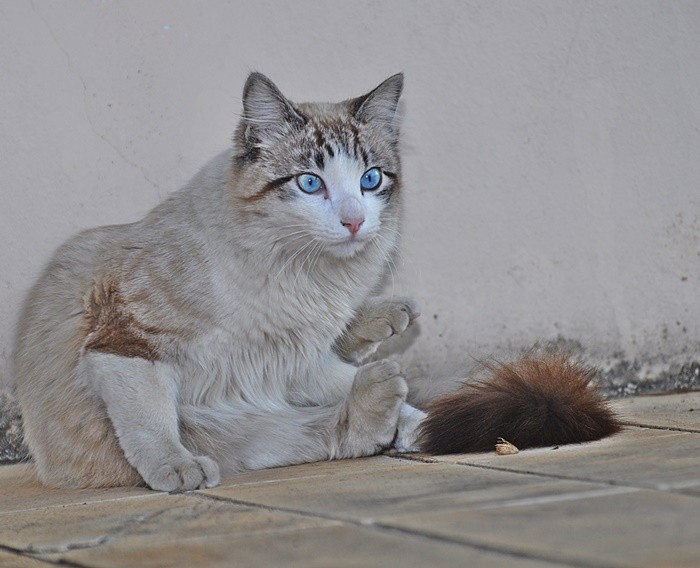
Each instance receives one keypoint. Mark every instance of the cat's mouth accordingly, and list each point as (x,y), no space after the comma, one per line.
(348,246)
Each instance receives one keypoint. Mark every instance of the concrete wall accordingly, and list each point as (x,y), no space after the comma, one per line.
(552,149)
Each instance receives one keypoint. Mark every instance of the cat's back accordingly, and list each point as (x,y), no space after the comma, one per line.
(142,260)
(52,314)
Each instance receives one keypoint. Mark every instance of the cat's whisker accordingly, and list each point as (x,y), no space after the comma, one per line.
(289,238)
(291,258)
(317,258)
(316,249)
(389,264)
(406,262)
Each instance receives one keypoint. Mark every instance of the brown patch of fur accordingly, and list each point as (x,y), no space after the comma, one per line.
(112,328)
(533,402)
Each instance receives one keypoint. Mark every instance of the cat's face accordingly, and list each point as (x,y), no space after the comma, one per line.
(321,176)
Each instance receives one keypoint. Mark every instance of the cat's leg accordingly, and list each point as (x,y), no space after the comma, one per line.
(242,437)
(368,394)
(140,397)
(343,375)
(373,407)
(376,321)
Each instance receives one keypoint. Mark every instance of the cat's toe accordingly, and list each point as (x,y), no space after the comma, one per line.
(409,306)
(402,313)
(383,375)
(390,317)
(203,472)
(408,430)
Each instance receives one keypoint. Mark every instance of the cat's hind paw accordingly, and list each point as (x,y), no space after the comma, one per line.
(377,394)
(408,430)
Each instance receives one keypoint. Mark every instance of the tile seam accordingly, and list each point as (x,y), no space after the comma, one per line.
(371,525)
(663,487)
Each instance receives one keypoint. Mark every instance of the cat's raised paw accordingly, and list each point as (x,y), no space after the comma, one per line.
(384,318)
(185,474)
(376,321)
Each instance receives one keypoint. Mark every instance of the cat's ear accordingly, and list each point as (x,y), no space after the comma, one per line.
(267,113)
(379,106)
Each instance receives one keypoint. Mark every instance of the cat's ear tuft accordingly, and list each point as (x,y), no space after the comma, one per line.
(380,105)
(267,113)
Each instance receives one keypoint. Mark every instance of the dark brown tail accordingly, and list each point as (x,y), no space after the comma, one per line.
(534,402)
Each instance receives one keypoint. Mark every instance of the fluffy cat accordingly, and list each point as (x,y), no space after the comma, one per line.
(224,332)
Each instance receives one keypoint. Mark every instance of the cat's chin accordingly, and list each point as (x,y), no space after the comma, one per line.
(346,249)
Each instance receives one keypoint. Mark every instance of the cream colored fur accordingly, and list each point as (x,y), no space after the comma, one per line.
(223,332)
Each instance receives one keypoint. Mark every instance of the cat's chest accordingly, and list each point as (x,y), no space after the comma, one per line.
(257,366)
(267,335)
(260,343)
(277,308)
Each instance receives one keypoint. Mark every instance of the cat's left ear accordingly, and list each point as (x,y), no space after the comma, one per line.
(379,106)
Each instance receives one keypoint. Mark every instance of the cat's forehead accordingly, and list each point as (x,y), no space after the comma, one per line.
(324,111)
(334,121)
(332,133)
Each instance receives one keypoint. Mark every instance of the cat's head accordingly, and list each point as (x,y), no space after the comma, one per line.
(320,173)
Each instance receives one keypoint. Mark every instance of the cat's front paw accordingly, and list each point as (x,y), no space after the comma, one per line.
(384,318)
(377,321)
(375,401)
(184,474)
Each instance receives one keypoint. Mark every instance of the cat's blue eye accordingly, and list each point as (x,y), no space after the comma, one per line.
(371,179)
(309,183)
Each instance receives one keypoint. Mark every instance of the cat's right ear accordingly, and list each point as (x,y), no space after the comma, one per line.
(267,113)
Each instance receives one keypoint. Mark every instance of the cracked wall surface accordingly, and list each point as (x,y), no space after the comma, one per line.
(551,149)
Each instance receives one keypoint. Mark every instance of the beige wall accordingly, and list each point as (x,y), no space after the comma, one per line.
(552,149)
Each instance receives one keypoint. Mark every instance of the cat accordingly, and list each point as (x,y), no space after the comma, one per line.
(224,332)
(228,330)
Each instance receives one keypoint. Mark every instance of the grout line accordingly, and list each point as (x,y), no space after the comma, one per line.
(657,427)
(416,457)
(23,554)
(271,481)
(678,485)
(80,503)
(371,525)
(95,543)
(547,499)
(574,563)
(609,482)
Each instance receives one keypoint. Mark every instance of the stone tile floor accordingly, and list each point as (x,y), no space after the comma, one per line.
(631,500)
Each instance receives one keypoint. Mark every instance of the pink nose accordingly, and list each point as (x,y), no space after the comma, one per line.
(353,225)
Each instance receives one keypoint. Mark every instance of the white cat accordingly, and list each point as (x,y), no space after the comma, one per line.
(222,332)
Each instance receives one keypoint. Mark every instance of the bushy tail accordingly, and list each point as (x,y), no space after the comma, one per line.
(536,401)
